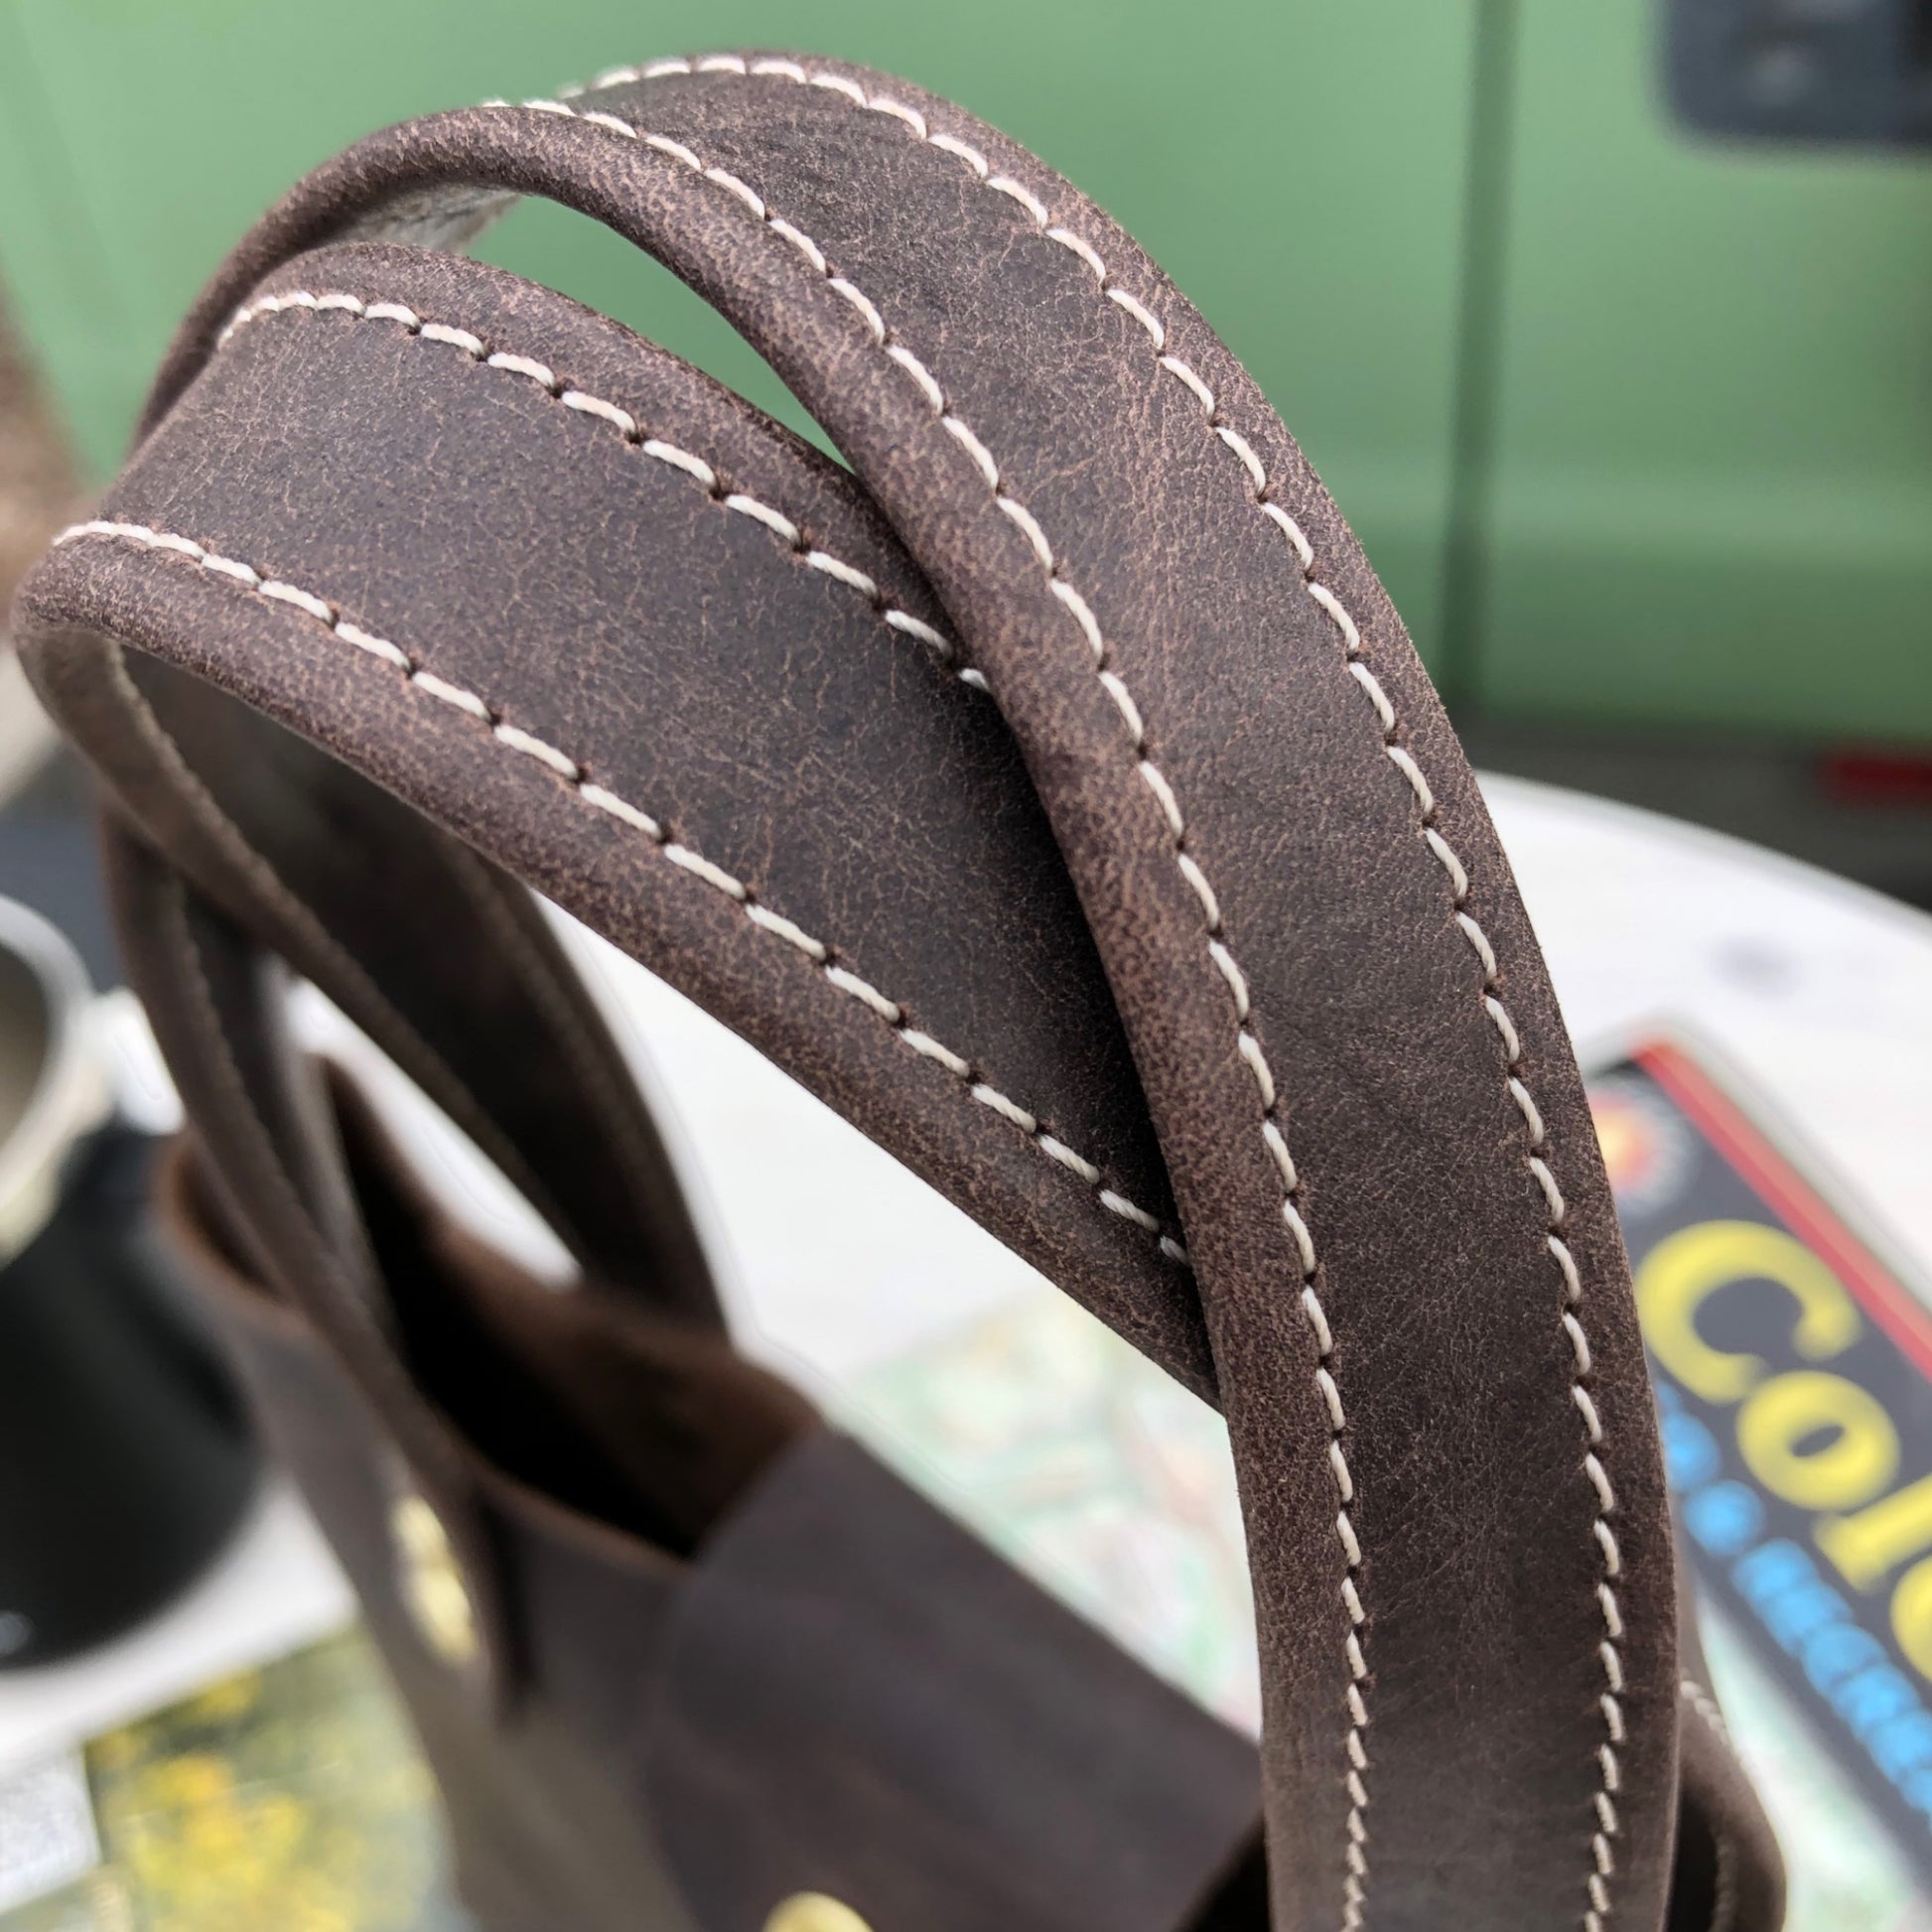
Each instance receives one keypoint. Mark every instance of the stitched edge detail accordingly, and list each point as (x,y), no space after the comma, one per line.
(467,342)
(377,1360)
(1706,1705)
(1248,1047)
(1724,1903)
(577,780)
(409,1046)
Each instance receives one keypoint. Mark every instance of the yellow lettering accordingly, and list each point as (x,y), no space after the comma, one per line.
(1911,1616)
(1683,1272)
(1868,1546)
(1776,1424)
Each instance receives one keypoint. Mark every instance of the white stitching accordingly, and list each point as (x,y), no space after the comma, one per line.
(1614,1623)
(776,521)
(441,331)
(733,186)
(1157,333)
(934,1050)
(694,467)
(1075,245)
(662,142)
(288,594)
(951,144)
(900,353)
(367,641)
(626,425)
(572,775)
(622,419)
(452,695)
(1243,453)
(1246,1043)
(883,104)
(540,373)
(799,240)
(1181,371)
(1014,191)
(1724,1905)
(1090,629)
(974,448)
(862,303)
(1593,1426)
(1022,518)
(559,763)
(916,628)
(840,84)
(409,1043)
(716,876)
(1706,1705)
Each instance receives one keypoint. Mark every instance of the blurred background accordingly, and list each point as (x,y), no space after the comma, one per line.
(1609,326)
(1609,322)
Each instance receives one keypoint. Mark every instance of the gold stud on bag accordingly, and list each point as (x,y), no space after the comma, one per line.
(1049,788)
(813,1911)
(431,1583)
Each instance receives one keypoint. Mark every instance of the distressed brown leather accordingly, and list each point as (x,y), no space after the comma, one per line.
(743,1637)
(1173,941)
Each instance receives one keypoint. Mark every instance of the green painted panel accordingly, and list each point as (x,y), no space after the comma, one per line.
(1295,166)
(1711,500)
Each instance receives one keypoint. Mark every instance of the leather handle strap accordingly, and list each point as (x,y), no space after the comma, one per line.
(790,804)
(1186,897)
(263,1124)
(508,1042)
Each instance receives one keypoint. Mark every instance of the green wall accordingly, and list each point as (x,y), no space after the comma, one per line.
(1635,430)
(1712,497)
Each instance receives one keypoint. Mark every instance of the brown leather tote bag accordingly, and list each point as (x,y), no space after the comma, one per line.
(1054,791)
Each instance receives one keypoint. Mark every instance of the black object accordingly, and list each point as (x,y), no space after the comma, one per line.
(1803,70)
(124,1456)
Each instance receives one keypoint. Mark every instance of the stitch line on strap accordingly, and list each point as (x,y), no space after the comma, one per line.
(1248,1047)
(1257,486)
(575,777)
(1724,1904)
(1706,1705)
(784,528)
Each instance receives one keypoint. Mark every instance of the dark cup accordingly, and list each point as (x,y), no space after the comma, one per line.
(125,1459)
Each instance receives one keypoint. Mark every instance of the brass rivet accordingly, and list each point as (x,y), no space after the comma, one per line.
(432,1584)
(814,1912)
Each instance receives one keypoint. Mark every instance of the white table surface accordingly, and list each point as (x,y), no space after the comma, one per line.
(1818,992)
